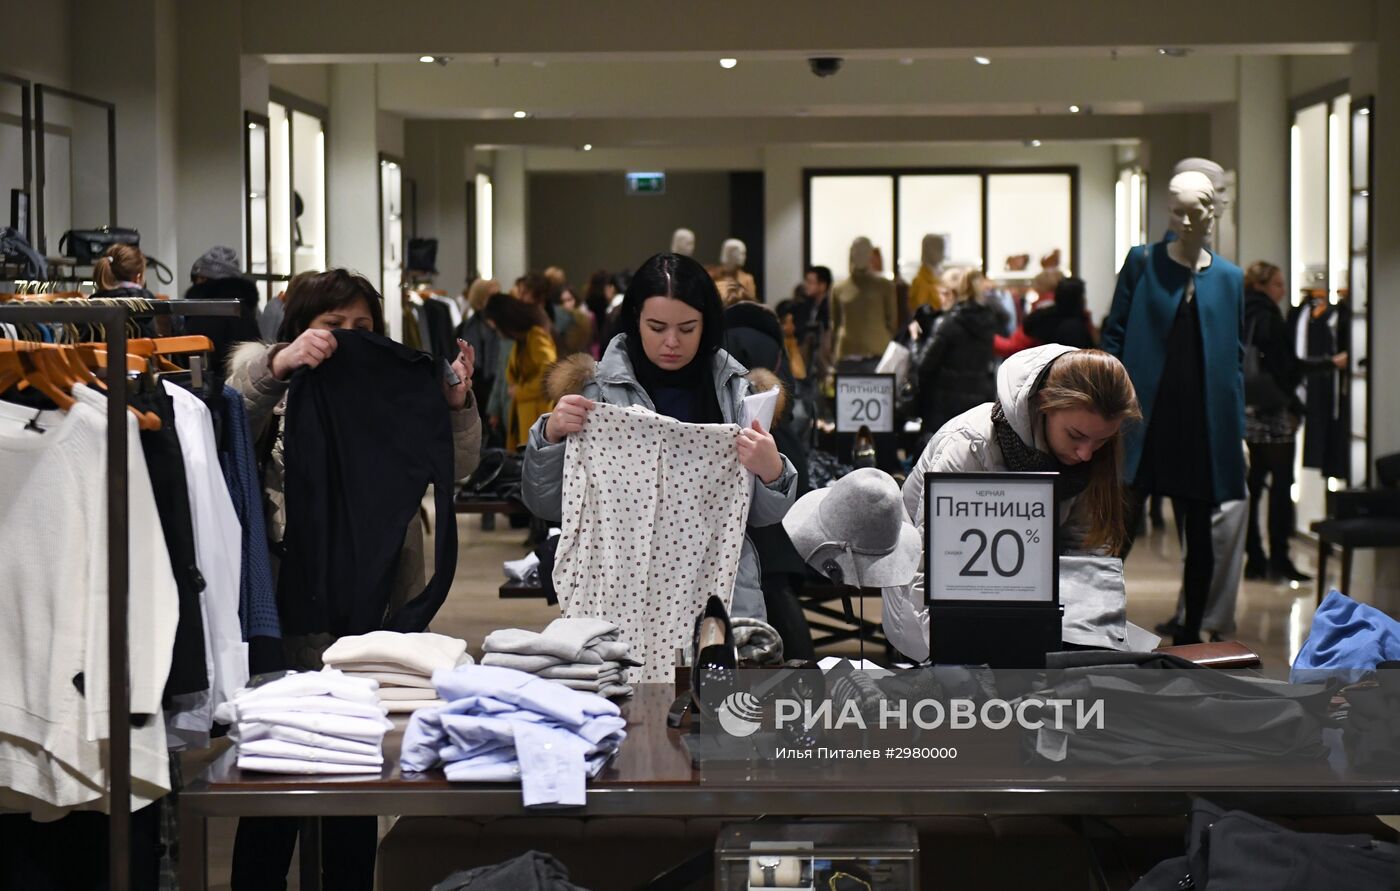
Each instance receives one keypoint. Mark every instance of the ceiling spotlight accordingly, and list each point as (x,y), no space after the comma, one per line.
(981,60)
(521,115)
(588,146)
(1033,143)
(1074,109)
(426,59)
(1174,52)
(728,63)
(906,61)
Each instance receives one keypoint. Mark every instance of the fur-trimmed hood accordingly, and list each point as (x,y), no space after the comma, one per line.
(571,376)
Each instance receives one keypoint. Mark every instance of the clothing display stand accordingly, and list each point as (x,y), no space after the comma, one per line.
(113,318)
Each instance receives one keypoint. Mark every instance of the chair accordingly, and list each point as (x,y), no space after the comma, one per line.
(1359,518)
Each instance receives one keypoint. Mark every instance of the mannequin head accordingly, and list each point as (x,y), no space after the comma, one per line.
(1213,172)
(683,242)
(934,250)
(1192,207)
(861,252)
(733,254)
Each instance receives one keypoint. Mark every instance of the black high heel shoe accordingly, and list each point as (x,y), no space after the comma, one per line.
(714,664)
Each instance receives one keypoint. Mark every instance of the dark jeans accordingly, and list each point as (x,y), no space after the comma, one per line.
(262,853)
(1193,530)
(1270,464)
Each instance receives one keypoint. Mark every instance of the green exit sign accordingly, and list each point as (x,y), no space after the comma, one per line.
(646,184)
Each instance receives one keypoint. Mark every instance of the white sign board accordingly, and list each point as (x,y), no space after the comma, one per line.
(990,537)
(865,400)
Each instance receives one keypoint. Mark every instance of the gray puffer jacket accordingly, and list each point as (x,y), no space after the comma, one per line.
(613,381)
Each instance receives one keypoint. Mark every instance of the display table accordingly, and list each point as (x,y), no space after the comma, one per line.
(652,777)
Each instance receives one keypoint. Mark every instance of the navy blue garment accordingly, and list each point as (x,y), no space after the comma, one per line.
(257,603)
(1146,302)
(1347,636)
(366,433)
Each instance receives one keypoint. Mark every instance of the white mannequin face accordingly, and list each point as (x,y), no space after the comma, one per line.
(733,254)
(683,242)
(861,251)
(1192,207)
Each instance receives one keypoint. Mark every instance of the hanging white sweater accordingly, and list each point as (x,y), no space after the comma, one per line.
(653,524)
(53,593)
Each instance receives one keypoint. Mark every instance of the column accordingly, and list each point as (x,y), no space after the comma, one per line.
(352,180)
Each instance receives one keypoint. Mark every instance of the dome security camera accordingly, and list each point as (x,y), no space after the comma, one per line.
(825,66)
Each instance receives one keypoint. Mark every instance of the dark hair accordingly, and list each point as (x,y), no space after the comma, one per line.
(538,286)
(1069,297)
(513,318)
(680,278)
(822,273)
(311,293)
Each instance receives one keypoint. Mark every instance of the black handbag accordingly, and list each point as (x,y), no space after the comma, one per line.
(86,245)
(1261,391)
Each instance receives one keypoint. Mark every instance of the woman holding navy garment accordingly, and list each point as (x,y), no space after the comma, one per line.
(1176,323)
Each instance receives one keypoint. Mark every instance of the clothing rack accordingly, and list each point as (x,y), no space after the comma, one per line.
(113,318)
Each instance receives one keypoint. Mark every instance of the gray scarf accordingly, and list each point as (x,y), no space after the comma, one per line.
(1023,458)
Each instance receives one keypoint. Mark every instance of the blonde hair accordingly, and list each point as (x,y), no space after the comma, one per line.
(556,276)
(1096,381)
(120,263)
(1259,274)
(966,284)
(481,291)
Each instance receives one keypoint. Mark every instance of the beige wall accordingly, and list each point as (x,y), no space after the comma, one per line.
(583,221)
(312,82)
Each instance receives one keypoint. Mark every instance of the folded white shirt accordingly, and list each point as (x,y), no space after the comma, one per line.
(404,706)
(359,729)
(398,679)
(327,682)
(298,765)
(419,653)
(249,731)
(321,705)
(277,748)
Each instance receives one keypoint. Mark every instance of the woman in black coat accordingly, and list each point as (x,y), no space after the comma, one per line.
(1065,321)
(957,370)
(1271,418)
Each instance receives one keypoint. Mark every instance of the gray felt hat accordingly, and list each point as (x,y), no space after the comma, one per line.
(858,522)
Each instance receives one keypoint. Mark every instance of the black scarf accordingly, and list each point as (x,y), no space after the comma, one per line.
(1023,458)
(686,394)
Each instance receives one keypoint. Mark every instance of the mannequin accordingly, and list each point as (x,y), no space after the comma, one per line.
(732,256)
(1222,237)
(1175,324)
(683,242)
(924,290)
(864,309)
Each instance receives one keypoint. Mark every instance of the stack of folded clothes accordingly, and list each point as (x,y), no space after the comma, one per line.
(401,664)
(582,653)
(502,726)
(309,722)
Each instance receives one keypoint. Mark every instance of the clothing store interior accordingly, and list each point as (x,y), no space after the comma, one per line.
(629,445)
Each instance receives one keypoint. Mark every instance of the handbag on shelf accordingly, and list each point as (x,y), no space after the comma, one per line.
(86,245)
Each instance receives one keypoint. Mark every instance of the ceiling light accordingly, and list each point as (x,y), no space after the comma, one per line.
(588,146)
(1363,111)
(728,63)
(426,59)
(1074,109)
(981,60)
(521,115)
(1175,52)
(906,61)
(1033,143)
(253,126)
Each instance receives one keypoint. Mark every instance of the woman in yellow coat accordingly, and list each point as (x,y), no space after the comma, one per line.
(530,357)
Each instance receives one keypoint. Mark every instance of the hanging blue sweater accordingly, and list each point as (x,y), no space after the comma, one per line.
(1347,636)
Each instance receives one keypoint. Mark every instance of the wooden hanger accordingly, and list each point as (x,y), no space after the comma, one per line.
(37,377)
(11,371)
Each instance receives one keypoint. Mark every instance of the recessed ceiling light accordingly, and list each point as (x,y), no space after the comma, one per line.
(588,146)
(728,63)
(253,126)
(1033,143)
(906,61)
(1074,109)
(1175,52)
(981,60)
(521,115)
(425,59)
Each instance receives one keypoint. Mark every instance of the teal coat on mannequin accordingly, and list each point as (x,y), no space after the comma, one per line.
(1150,289)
